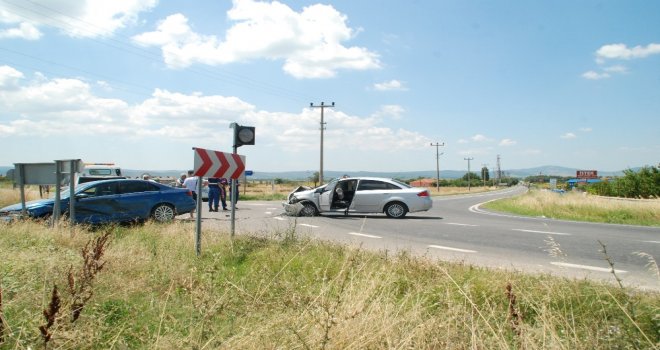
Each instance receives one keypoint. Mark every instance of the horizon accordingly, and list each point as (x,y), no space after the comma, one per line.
(142,82)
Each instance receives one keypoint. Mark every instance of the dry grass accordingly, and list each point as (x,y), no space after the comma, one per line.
(257,293)
(581,207)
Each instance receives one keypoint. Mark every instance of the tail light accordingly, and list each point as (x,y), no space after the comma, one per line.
(423,194)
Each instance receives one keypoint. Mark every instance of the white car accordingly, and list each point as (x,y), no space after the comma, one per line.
(359,195)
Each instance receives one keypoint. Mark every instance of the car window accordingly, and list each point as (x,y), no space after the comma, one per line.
(375,185)
(402,184)
(105,189)
(99,171)
(136,186)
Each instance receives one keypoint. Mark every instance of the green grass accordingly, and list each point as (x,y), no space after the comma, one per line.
(288,292)
(581,207)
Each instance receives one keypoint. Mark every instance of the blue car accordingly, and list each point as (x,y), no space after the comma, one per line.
(118,200)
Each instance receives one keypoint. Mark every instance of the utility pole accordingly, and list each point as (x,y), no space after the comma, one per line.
(483,173)
(468,160)
(499,171)
(437,163)
(322,106)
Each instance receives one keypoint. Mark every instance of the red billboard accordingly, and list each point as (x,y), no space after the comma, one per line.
(587,174)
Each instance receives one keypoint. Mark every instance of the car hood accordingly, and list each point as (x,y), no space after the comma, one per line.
(302,191)
(39,203)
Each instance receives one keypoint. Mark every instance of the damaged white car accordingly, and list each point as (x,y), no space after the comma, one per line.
(359,195)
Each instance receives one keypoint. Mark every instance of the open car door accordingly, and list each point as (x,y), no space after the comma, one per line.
(325,197)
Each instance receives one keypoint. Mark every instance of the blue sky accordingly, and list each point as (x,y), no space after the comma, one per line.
(141,82)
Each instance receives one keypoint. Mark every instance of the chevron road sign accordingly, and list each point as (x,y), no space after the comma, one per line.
(218,164)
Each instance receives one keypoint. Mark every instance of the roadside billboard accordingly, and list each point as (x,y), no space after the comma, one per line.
(587,174)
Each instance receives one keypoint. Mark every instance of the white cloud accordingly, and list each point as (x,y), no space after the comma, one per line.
(390,85)
(88,18)
(619,52)
(391,111)
(592,75)
(622,52)
(480,138)
(9,77)
(616,69)
(568,135)
(25,30)
(508,142)
(309,42)
(586,129)
(45,107)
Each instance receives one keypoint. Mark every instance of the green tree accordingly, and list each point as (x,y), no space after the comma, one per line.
(314,178)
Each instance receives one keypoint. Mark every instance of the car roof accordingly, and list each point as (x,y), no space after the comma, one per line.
(92,183)
(365,178)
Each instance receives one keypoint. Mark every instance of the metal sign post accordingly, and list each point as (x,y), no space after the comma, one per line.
(198,219)
(214,164)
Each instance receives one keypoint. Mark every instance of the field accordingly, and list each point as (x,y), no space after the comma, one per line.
(143,287)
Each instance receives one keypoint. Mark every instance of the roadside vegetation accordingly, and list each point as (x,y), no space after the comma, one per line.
(144,287)
(579,206)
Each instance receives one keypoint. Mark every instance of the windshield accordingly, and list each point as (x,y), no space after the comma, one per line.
(330,184)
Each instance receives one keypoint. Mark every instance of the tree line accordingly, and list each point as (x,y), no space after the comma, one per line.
(644,183)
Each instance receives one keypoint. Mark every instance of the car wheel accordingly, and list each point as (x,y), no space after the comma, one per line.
(396,210)
(163,213)
(308,209)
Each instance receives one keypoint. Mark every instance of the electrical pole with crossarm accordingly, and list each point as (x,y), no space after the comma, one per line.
(437,163)
(468,160)
(322,106)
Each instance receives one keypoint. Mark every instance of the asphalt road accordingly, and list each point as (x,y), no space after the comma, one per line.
(456,229)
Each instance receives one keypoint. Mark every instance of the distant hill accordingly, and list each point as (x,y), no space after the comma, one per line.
(550,170)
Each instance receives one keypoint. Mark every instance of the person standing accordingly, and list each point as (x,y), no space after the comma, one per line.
(180,180)
(223,193)
(191,184)
(214,193)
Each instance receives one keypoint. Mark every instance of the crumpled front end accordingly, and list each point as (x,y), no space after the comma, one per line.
(292,209)
(293,205)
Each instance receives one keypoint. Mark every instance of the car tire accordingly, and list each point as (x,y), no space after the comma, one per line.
(396,210)
(308,209)
(163,213)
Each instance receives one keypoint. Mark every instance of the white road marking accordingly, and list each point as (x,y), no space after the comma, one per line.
(656,242)
(363,235)
(279,218)
(308,225)
(453,249)
(268,212)
(544,232)
(459,224)
(586,267)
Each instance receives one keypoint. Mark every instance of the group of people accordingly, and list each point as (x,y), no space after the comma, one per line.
(218,190)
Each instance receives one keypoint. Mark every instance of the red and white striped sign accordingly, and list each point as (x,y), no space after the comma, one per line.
(218,164)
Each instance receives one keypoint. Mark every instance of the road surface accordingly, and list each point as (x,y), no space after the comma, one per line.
(457,229)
